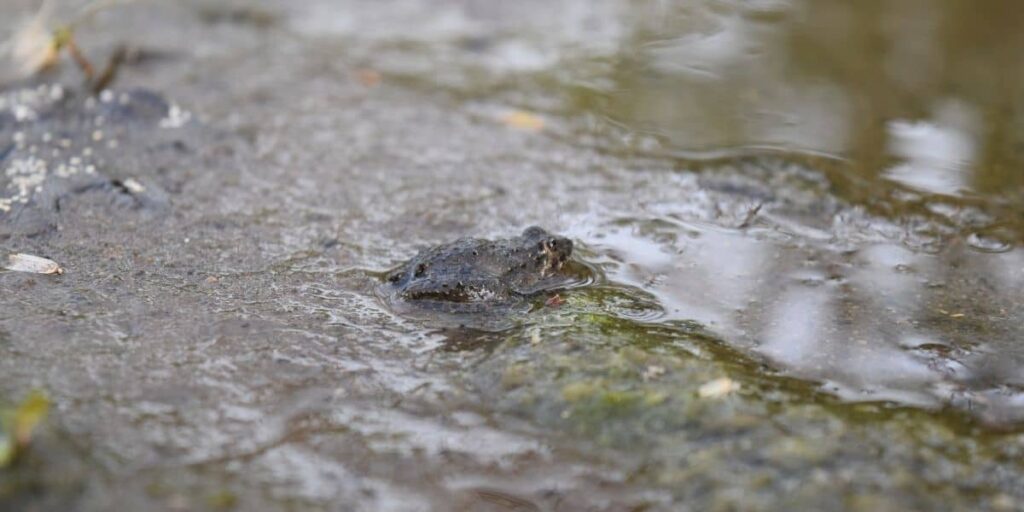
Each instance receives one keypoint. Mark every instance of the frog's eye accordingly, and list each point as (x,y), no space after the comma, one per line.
(420,270)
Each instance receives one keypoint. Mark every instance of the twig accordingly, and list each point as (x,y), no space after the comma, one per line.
(110,72)
(751,215)
(80,59)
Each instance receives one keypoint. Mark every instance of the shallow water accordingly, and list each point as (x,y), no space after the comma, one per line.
(804,219)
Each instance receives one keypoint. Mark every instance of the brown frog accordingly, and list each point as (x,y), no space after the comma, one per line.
(474,274)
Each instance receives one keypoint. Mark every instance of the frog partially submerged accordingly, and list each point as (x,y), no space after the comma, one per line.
(472,274)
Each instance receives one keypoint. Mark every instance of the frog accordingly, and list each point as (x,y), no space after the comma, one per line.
(473,274)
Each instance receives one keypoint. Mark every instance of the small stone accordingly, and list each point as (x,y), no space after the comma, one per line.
(133,186)
(653,372)
(1004,502)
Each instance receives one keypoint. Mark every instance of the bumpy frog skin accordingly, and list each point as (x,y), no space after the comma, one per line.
(472,271)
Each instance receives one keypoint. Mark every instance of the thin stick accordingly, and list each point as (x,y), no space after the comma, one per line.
(111,70)
(80,59)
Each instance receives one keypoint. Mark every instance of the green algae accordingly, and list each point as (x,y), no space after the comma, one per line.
(588,373)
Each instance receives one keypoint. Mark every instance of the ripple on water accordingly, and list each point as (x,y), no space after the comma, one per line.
(988,244)
(766,295)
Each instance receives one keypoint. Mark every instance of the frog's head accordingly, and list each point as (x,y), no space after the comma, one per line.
(549,251)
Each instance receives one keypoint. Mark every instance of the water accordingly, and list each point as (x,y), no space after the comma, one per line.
(803,218)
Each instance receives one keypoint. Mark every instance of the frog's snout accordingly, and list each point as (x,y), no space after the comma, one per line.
(558,250)
(563,247)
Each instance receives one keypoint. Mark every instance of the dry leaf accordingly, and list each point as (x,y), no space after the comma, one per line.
(36,44)
(28,416)
(35,264)
(522,120)
(718,388)
(20,424)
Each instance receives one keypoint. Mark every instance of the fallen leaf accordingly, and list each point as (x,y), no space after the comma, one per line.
(35,45)
(6,451)
(368,77)
(29,263)
(21,424)
(522,120)
(28,416)
(718,388)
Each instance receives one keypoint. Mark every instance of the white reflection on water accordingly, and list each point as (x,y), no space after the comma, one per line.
(707,276)
(878,322)
(937,155)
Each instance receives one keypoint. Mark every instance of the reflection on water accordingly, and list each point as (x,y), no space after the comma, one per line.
(926,93)
(865,316)
(934,157)
(908,288)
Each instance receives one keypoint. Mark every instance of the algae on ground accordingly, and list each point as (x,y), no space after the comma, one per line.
(633,391)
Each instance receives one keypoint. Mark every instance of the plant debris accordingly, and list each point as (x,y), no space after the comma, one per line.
(718,388)
(522,120)
(37,44)
(28,263)
(20,424)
